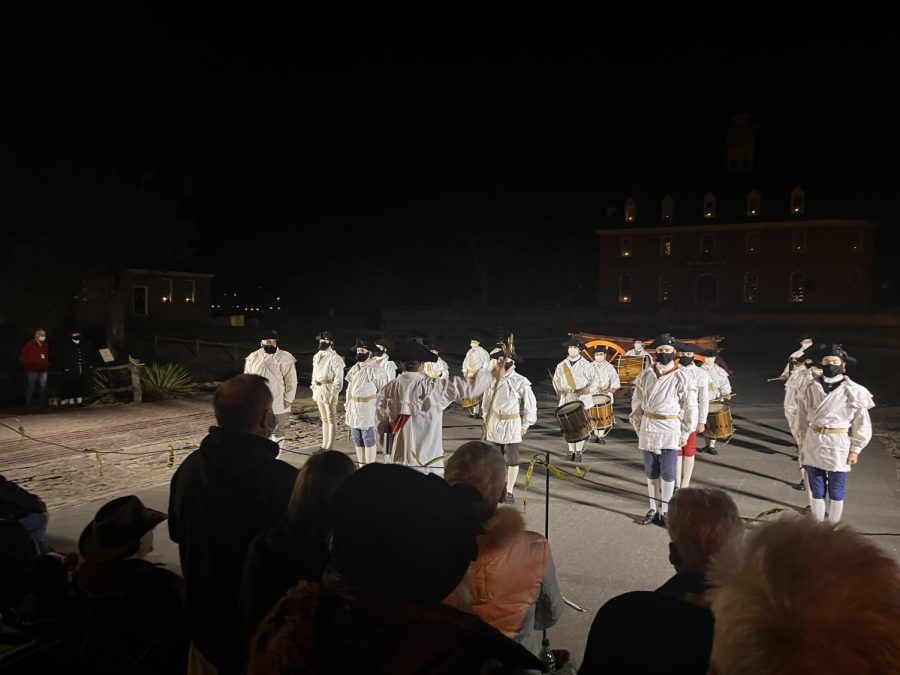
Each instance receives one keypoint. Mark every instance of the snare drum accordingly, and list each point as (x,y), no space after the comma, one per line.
(719,425)
(470,402)
(574,422)
(601,414)
(630,367)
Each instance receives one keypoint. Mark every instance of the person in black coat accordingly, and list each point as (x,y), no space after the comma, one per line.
(222,497)
(297,546)
(17,503)
(76,360)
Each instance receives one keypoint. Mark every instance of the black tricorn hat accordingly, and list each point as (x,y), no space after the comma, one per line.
(665,339)
(325,335)
(834,350)
(413,351)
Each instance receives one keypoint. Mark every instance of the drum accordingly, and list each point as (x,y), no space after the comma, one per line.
(630,367)
(601,414)
(574,422)
(719,425)
(470,402)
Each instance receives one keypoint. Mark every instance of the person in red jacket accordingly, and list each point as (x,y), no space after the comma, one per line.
(35,359)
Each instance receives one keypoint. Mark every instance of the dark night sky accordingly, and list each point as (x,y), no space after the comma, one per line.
(289,134)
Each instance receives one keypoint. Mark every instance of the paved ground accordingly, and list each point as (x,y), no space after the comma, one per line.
(600,549)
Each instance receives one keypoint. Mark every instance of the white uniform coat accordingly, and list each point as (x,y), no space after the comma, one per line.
(364,381)
(502,401)
(327,376)
(719,385)
(846,407)
(424,400)
(698,380)
(390,368)
(575,381)
(437,371)
(798,377)
(607,377)
(476,360)
(280,371)
(667,394)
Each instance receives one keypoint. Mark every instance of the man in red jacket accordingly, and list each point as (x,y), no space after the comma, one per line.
(35,359)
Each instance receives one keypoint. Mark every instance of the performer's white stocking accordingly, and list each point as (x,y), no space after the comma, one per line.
(835,511)
(678,469)
(653,491)
(512,472)
(668,489)
(818,509)
(371,454)
(327,435)
(688,471)
(579,446)
(360,455)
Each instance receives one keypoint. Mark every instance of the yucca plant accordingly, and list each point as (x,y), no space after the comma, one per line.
(165,380)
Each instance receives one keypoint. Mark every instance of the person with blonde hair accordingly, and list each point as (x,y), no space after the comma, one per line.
(798,596)
(512,584)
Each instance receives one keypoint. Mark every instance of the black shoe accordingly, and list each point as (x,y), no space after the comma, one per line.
(712,451)
(509,499)
(572,456)
(578,457)
(661,520)
(801,486)
(649,518)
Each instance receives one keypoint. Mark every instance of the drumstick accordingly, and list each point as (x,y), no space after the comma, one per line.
(573,605)
(776,379)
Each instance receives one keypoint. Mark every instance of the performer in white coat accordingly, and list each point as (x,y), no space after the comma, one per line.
(326,383)
(476,360)
(364,380)
(806,341)
(718,389)
(607,379)
(509,409)
(575,379)
(803,370)
(277,366)
(411,407)
(638,350)
(663,417)
(383,359)
(698,381)
(833,422)
(439,370)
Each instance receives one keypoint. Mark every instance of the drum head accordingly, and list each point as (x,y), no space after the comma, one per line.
(601,399)
(567,408)
(716,407)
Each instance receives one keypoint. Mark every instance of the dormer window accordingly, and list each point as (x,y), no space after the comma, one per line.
(798,201)
(753,201)
(709,206)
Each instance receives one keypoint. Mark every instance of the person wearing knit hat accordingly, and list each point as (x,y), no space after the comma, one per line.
(663,416)
(575,379)
(277,366)
(364,380)
(476,360)
(833,424)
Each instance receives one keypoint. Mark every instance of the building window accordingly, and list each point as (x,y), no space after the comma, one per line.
(190,291)
(630,210)
(668,208)
(625,247)
(707,244)
(753,202)
(798,241)
(707,290)
(798,201)
(798,286)
(751,243)
(167,290)
(665,288)
(751,287)
(665,245)
(709,206)
(625,288)
(139,300)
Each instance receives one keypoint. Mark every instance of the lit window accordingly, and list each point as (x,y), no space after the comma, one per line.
(709,206)
(668,208)
(798,201)
(752,243)
(167,290)
(625,288)
(798,286)
(625,247)
(665,288)
(630,210)
(751,287)
(665,246)
(798,241)
(753,202)
(190,291)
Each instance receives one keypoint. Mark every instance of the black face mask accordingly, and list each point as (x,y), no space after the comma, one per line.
(665,358)
(324,346)
(832,370)
(687,361)
(362,357)
(270,349)
(378,352)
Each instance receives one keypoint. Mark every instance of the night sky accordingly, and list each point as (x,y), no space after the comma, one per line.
(296,154)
